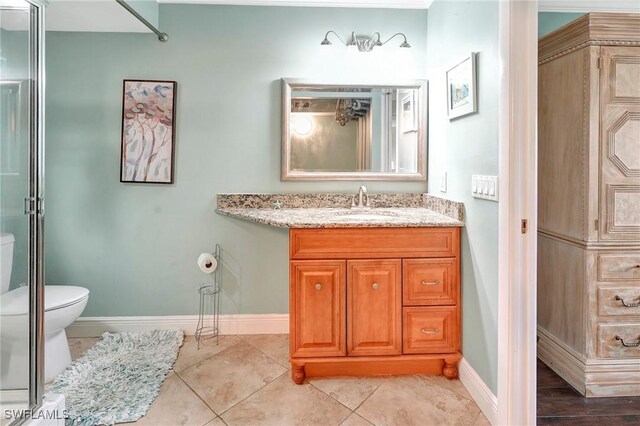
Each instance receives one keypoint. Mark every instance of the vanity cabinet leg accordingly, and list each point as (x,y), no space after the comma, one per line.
(297,373)
(450,368)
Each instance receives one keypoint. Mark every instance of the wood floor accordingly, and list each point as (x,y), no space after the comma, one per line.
(560,404)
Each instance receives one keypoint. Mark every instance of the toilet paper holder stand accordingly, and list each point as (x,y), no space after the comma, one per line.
(209,310)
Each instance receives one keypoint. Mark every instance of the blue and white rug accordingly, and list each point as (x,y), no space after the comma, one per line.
(119,377)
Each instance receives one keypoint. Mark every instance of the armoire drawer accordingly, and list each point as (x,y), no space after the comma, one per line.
(619,340)
(618,266)
(429,281)
(430,329)
(619,301)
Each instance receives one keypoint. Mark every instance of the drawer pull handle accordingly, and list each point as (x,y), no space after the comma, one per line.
(627,305)
(436,282)
(430,330)
(318,286)
(375,286)
(628,345)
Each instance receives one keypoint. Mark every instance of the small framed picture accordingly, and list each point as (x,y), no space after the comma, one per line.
(461,88)
(409,113)
(148,131)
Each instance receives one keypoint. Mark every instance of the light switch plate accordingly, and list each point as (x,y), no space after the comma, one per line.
(485,187)
(443,182)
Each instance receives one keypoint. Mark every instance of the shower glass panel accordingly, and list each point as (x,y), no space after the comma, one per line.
(21,313)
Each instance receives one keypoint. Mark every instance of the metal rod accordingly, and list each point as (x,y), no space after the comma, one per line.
(161,36)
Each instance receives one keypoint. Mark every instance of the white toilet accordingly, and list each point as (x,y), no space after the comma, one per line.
(63,305)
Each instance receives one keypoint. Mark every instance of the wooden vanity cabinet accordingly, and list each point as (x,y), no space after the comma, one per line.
(374,301)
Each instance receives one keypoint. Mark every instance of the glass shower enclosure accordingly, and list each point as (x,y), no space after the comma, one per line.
(21,208)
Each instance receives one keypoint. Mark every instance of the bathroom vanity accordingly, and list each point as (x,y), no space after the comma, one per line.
(367,301)
(372,291)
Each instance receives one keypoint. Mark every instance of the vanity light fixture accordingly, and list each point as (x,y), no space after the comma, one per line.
(364,43)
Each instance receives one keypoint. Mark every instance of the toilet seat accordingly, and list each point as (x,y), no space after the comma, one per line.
(16,302)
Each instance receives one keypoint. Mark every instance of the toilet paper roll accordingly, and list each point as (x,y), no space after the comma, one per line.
(207,263)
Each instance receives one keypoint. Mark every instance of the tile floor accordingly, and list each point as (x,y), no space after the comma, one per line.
(245,381)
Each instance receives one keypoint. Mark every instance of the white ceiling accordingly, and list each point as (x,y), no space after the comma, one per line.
(394,4)
(109,16)
(77,15)
(584,6)
(91,15)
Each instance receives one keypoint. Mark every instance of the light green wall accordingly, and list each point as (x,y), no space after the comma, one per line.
(550,21)
(463,147)
(134,245)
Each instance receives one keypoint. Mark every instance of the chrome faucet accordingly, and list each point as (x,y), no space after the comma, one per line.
(363,199)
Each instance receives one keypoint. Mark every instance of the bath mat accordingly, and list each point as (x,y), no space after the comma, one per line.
(118,378)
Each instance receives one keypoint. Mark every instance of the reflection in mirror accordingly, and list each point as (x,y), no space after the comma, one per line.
(15,331)
(12,125)
(353,132)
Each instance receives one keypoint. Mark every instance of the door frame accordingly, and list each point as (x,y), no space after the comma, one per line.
(517,253)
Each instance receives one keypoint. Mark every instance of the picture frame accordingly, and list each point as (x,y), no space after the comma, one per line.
(409,113)
(148,131)
(462,96)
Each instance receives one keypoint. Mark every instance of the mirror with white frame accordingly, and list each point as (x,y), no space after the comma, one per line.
(354,132)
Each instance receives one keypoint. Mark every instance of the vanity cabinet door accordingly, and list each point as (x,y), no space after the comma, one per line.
(374,307)
(318,321)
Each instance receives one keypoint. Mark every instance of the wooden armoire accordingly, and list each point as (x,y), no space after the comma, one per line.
(589,203)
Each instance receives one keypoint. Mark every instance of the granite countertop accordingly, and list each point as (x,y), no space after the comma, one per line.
(343,218)
(332,211)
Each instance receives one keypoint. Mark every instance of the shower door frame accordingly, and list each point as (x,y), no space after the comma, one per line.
(34,203)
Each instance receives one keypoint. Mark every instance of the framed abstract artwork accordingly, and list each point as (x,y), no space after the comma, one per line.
(461,88)
(148,131)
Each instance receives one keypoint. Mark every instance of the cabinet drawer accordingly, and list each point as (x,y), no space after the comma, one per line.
(619,300)
(373,243)
(430,281)
(430,330)
(610,347)
(619,266)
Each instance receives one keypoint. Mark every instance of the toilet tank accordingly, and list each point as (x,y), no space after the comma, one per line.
(6,260)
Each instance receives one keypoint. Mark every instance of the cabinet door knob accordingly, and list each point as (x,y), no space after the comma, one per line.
(430,330)
(318,286)
(436,282)
(375,286)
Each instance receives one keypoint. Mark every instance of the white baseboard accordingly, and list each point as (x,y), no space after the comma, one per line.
(479,390)
(229,324)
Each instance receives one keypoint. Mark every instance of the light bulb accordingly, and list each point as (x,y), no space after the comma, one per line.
(302,126)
